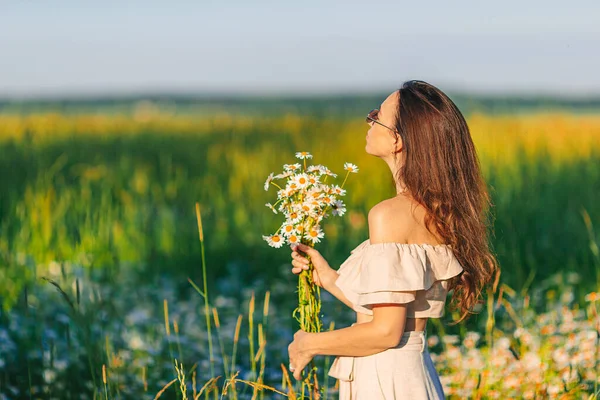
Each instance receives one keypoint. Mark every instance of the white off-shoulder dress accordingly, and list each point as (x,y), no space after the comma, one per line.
(411,274)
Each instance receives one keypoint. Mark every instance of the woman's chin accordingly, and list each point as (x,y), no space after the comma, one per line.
(369,151)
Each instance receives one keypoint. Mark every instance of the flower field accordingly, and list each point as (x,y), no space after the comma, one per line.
(102,273)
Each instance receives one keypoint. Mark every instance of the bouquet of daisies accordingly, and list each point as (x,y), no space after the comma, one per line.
(305,199)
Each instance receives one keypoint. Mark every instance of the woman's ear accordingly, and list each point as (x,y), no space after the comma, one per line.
(398,145)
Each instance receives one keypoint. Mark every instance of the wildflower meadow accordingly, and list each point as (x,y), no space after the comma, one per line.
(133,263)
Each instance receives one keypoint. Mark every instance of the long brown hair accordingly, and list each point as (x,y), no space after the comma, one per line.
(442,173)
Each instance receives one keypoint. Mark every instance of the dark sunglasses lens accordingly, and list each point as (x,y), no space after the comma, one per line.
(372,116)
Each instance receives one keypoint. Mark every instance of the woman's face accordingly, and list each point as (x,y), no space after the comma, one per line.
(381,141)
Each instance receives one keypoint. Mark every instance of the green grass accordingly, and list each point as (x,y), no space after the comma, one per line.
(110,192)
(104,206)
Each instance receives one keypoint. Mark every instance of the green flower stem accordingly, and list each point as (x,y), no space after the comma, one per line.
(308,316)
(343,183)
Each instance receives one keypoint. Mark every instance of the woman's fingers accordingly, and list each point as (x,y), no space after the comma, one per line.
(298,257)
(299,265)
(299,262)
(303,247)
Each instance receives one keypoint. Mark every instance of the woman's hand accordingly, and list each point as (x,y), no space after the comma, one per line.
(323,274)
(299,355)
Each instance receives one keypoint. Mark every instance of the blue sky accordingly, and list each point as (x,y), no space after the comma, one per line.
(119,47)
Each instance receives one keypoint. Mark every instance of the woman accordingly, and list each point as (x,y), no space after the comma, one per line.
(430,238)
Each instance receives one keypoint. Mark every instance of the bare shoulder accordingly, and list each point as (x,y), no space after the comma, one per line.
(388,220)
(398,219)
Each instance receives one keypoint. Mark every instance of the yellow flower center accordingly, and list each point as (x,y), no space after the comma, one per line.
(276,238)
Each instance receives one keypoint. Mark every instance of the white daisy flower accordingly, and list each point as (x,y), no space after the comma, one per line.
(291,188)
(350,167)
(301,228)
(328,200)
(314,193)
(338,190)
(292,167)
(287,229)
(271,207)
(315,234)
(274,240)
(301,180)
(303,155)
(327,171)
(313,179)
(285,193)
(450,339)
(293,217)
(268,181)
(317,204)
(283,175)
(314,168)
(339,208)
(283,206)
(293,238)
(307,207)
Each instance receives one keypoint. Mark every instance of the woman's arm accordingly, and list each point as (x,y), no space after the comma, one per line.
(381,333)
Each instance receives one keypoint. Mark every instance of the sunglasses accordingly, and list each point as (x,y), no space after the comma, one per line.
(373,116)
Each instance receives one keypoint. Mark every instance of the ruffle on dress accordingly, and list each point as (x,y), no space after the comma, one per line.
(399,273)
